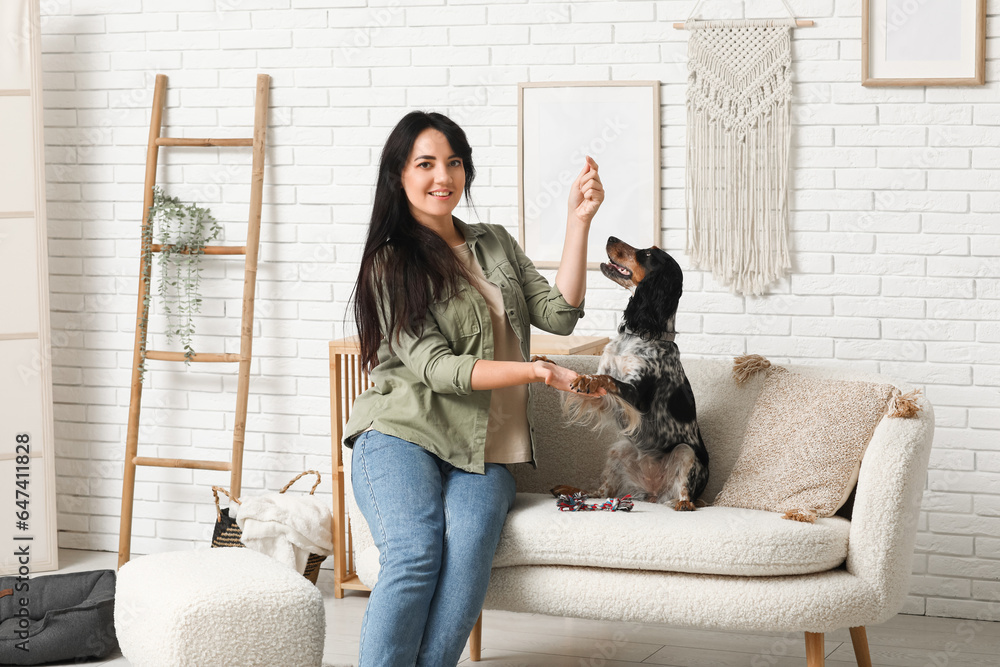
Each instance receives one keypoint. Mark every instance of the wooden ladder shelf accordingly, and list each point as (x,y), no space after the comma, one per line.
(140,354)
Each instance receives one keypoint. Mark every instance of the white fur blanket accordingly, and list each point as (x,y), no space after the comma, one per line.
(286,528)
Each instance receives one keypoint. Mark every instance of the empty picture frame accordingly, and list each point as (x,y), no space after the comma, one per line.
(923,43)
(617,123)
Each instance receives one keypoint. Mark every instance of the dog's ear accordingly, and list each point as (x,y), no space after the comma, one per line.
(654,303)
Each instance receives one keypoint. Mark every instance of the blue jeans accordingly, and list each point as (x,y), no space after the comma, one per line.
(436,528)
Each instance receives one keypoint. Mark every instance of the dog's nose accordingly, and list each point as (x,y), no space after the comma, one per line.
(614,239)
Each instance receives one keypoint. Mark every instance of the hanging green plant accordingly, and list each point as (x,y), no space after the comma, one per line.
(183,231)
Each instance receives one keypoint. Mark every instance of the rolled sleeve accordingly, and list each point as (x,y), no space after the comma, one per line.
(561,316)
(443,371)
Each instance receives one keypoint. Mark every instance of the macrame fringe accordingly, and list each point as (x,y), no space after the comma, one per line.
(747,366)
(804,516)
(738,143)
(904,406)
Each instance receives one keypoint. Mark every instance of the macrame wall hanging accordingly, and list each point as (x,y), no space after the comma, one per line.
(738,138)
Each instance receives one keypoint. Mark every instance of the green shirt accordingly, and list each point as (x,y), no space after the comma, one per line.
(422,389)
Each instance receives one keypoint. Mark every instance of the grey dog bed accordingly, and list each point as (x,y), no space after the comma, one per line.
(70,616)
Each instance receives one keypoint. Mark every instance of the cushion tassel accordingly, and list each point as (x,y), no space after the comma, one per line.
(904,405)
(746,366)
(805,516)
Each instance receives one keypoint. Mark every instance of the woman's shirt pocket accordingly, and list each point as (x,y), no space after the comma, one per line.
(458,321)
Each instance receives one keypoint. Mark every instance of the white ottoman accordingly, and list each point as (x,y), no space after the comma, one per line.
(219,607)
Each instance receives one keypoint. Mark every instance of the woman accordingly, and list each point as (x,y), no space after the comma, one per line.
(443,311)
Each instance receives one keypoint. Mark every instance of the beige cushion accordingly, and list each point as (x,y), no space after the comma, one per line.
(804,442)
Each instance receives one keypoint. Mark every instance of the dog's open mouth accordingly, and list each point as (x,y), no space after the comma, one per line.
(611,269)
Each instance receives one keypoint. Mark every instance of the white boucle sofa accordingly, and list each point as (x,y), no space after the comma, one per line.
(718,567)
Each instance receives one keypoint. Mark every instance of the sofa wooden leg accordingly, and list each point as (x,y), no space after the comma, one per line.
(476,640)
(860,639)
(815,656)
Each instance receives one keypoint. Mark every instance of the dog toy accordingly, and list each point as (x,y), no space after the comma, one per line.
(577,503)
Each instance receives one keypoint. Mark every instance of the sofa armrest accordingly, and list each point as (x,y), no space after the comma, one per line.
(887,504)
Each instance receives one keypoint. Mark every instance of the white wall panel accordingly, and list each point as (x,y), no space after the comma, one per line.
(17,154)
(19,276)
(15,45)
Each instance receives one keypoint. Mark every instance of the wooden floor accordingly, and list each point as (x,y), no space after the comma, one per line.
(530,640)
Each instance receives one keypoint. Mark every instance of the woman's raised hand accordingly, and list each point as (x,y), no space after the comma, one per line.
(586,193)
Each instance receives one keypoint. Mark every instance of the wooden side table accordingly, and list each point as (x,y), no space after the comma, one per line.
(347,381)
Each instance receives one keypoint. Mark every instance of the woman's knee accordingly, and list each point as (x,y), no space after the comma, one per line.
(416,553)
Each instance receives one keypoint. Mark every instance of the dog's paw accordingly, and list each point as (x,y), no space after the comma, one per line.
(684,506)
(541,357)
(595,385)
(564,490)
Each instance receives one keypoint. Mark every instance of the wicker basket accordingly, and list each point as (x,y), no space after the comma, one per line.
(227,532)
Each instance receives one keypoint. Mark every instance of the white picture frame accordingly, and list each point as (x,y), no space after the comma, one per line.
(925,43)
(617,123)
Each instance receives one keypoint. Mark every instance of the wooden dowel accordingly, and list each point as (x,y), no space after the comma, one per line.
(179,141)
(135,399)
(193,464)
(350,549)
(201,357)
(337,432)
(799,23)
(358,378)
(352,385)
(250,276)
(208,250)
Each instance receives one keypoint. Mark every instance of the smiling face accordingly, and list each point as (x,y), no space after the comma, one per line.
(433,178)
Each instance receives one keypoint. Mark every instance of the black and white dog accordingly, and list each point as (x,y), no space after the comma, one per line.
(661,456)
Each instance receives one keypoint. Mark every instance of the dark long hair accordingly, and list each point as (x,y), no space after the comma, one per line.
(405,265)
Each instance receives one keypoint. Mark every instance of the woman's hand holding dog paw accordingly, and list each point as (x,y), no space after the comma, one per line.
(553,375)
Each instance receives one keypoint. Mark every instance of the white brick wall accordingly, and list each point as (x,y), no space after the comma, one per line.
(894,215)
